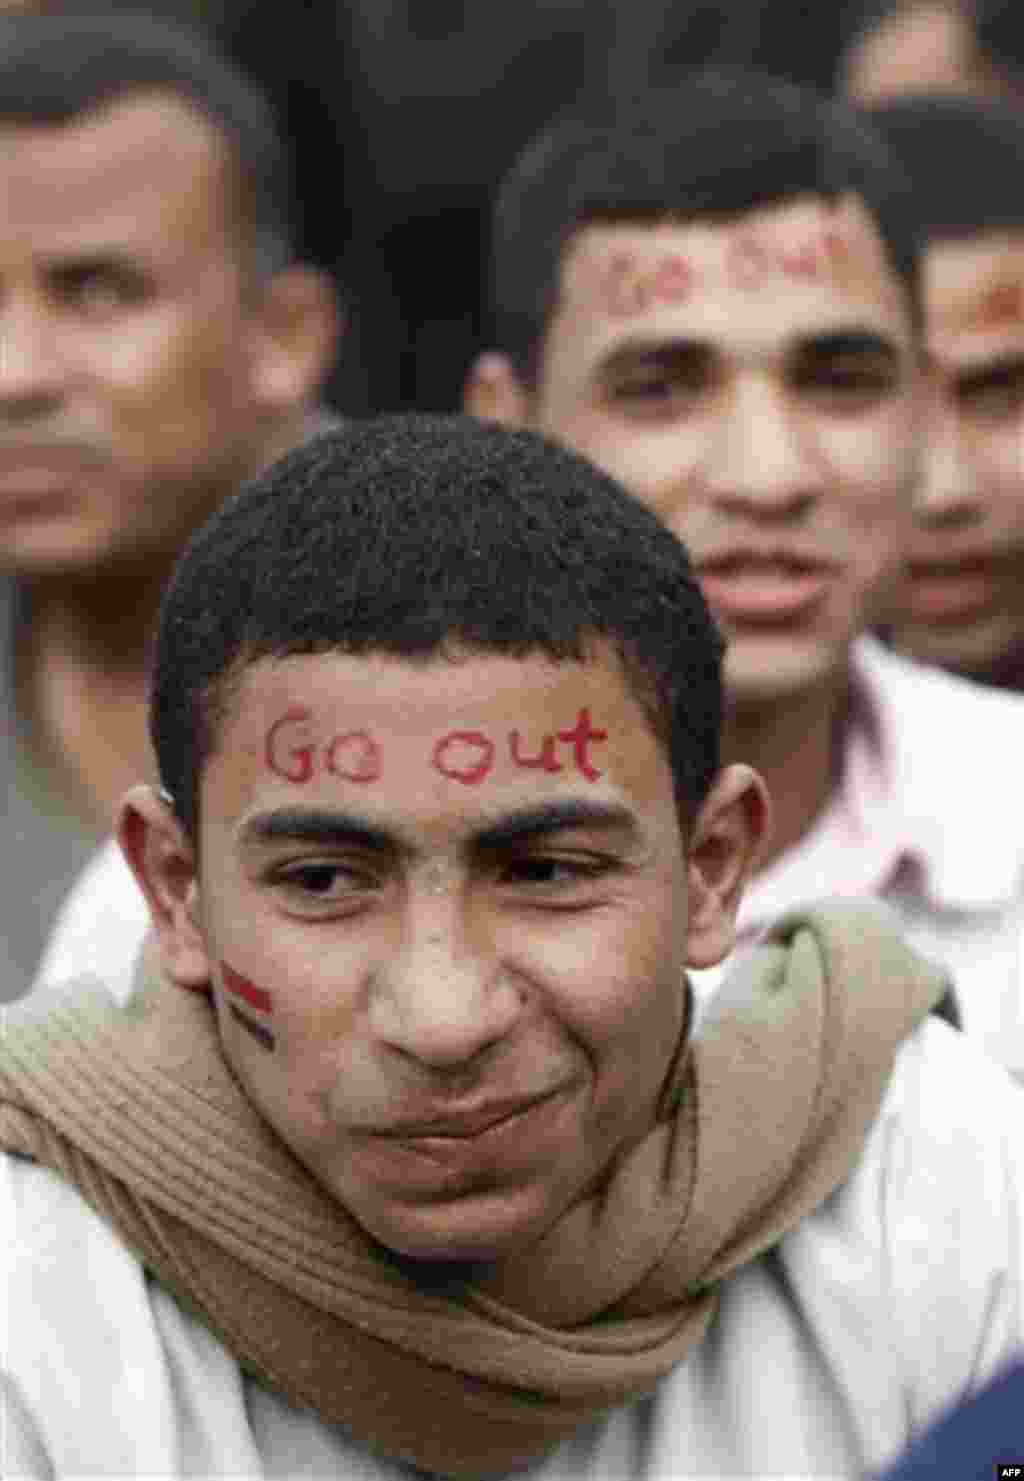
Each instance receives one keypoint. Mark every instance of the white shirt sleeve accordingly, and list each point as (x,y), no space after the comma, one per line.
(100,929)
(23,1454)
(953,1207)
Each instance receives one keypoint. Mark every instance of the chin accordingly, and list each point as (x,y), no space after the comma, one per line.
(471,1231)
(50,551)
(967,651)
(763,669)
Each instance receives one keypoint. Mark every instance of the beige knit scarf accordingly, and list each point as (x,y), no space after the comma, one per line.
(765,1115)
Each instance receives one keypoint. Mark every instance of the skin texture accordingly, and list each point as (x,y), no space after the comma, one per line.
(429,975)
(768,414)
(962,604)
(138,379)
(927,48)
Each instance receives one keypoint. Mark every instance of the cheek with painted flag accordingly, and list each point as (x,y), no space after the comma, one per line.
(249,1005)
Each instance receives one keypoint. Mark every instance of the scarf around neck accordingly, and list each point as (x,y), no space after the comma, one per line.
(764,1115)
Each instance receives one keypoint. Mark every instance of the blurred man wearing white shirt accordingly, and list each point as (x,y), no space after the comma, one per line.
(732,328)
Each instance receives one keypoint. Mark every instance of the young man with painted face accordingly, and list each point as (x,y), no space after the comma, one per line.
(159,342)
(714,296)
(408,1148)
(961,604)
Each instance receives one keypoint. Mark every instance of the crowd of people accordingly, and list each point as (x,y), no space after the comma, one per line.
(513,907)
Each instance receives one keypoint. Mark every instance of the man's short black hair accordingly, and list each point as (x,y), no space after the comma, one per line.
(57,66)
(425,536)
(965,159)
(717,144)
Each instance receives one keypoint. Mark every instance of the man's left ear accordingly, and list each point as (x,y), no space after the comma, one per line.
(725,841)
(163,862)
(298,324)
(494,393)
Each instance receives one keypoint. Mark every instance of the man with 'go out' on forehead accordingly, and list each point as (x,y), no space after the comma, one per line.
(409,1150)
(714,294)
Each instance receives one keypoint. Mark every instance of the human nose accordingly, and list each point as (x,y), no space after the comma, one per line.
(758,461)
(948,488)
(31,368)
(442,998)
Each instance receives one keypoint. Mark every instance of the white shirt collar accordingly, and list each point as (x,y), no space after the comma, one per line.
(921,798)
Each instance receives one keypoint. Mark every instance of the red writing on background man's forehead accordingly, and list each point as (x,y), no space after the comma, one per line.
(628,282)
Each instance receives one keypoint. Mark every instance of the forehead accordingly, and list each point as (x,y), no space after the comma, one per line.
(405,711)
(758,281)
(974,290)
(146,167)
(928,48)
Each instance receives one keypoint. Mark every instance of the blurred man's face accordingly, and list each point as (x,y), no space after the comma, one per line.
(126,348)
(753,382)
(963,600)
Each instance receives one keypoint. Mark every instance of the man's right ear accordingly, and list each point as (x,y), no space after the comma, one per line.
(494,392)
(163,862)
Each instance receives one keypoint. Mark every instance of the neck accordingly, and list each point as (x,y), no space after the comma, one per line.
(99,621)
(1005,672)
(82,679)
(82,668)
(104,618)
(794,744)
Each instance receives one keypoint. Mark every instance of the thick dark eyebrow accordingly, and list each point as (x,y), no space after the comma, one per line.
(662,354)
(309,825)
(90,262)
(847,343)
(554,817)
(342,829)
(698,354)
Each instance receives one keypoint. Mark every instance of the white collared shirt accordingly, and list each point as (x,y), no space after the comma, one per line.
(928,816)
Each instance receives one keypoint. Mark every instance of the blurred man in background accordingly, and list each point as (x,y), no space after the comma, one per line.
(158,345)
(962,602)
(716,298)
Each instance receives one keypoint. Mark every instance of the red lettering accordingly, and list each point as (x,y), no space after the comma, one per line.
(748,261)
(833,244)
(629,289)
(581,735)
(300,756)
(545,761)
(623,292)
(802,261)
(469,775)
(673,280)
(365,763)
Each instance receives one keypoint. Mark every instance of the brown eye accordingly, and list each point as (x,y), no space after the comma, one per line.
(995,401)
(322,883)
(652,388)
(856,384)
(102,288)
(554,871)
(318,879)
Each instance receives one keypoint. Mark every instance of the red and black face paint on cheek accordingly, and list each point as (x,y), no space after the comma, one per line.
(256,1001)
